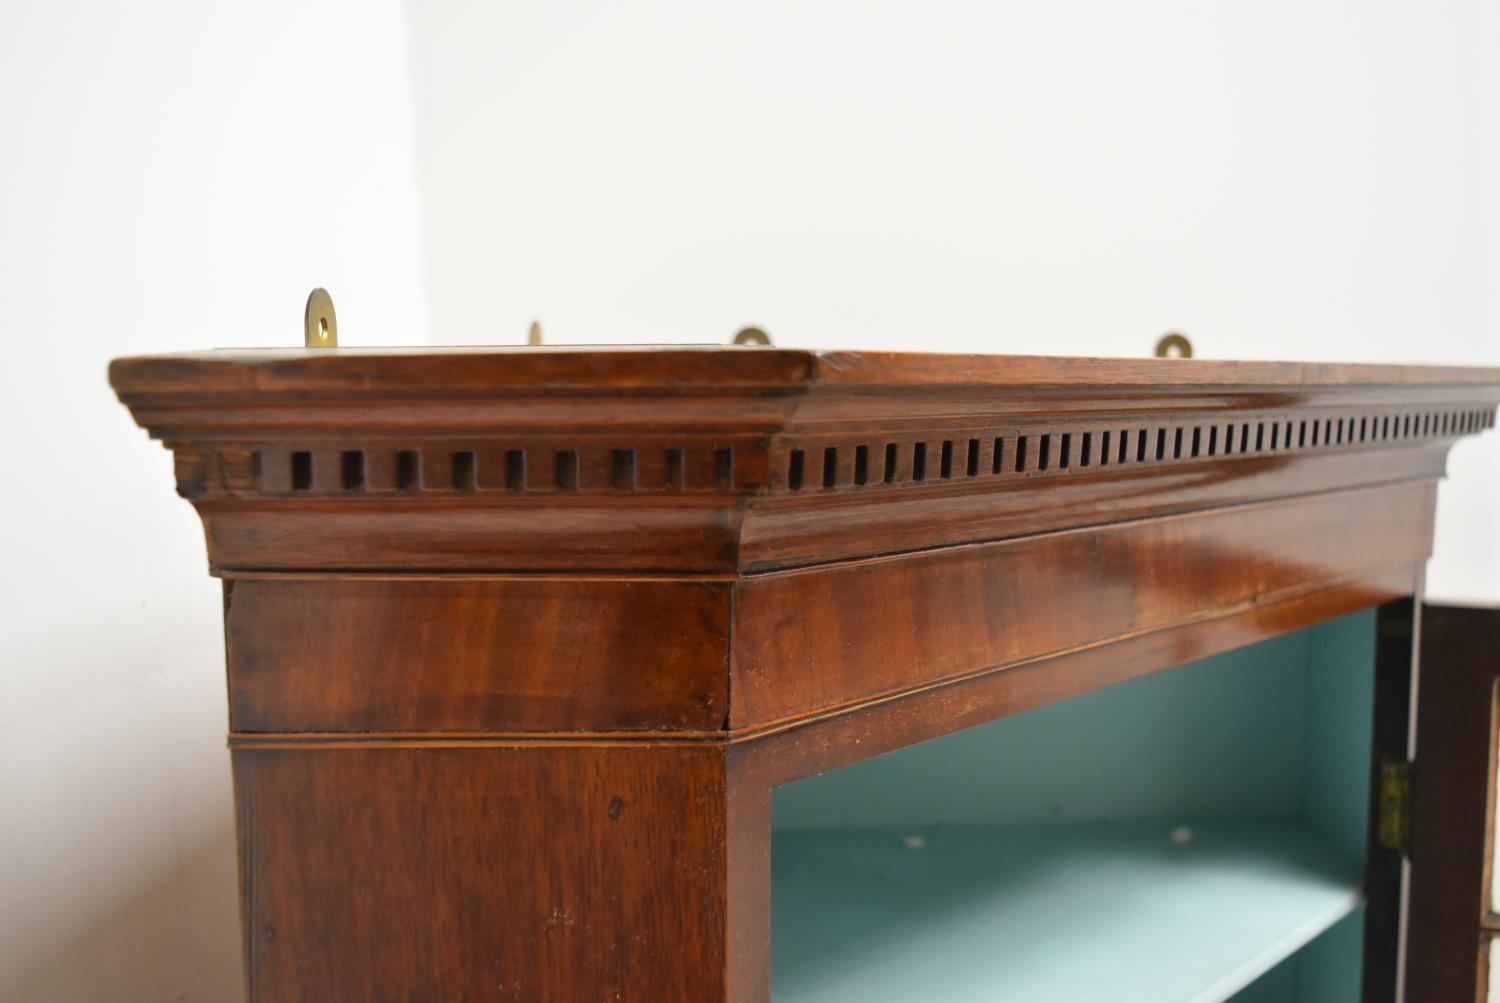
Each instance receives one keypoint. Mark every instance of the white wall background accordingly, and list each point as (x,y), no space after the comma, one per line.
(1298,179)
(1318,179)
(172,175)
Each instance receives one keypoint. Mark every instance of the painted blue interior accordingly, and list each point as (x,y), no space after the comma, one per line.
(1044,838)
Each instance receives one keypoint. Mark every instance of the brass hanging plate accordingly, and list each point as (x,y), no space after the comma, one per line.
(1174,346)
(752,336)
(320,327)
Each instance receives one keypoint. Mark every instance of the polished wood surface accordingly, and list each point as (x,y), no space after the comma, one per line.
(1452,917)
(520,641)
(529,873)
(877,627)
(750,459)
(428,653)
(780,755)
(490,368)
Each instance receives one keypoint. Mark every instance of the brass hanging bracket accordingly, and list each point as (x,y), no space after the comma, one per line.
(320,327)
(1174,346)
(752,336)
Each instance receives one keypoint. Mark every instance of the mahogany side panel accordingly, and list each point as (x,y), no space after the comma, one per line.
(812,640)
(411,653)
(524,873)
(748,940)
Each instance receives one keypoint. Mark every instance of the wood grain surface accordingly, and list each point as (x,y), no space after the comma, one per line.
(526,874)
(1452,918)
(810,640)
(520,641)
(490,654)
(748,459)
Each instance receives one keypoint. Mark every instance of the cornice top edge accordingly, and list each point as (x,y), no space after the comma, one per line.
(430,373)
(927,370)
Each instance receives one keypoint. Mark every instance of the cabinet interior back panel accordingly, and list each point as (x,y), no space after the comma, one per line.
(1271,730)
(1215,812)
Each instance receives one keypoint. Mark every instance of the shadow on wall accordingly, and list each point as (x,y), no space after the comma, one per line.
(174,941)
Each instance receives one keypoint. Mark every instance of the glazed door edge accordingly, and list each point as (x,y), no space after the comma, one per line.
(1451,916)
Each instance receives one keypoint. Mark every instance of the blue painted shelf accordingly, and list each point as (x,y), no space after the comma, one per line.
(1063,913)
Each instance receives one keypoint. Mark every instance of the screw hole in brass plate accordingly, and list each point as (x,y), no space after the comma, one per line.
(752,336)
(1174,346)
(320,327)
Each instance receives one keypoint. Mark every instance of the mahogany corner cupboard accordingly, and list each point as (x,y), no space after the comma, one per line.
(728,674)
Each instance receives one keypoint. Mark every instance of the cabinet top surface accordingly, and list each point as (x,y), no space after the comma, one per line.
(708,368)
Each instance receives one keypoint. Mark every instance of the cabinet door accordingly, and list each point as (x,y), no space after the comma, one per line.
(1453,924)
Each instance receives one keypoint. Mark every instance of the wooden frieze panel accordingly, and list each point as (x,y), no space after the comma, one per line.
(489,654)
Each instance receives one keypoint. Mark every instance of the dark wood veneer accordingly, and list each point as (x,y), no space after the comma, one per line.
(529,873)
(1452,916)
(892,623)
(429,653)
(519,641)
(673,459)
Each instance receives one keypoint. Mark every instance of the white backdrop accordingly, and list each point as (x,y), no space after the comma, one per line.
(1318,179)
(1306,179)
(172,176)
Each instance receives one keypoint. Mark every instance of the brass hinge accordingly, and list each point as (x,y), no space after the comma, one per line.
(1393,829)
